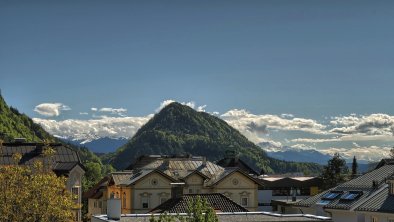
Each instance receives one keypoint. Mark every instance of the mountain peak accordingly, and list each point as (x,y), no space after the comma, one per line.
(179,129)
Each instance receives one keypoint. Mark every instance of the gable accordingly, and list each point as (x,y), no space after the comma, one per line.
(153,180)
(236,180)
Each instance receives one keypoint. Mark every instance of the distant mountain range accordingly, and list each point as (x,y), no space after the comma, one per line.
(100,145)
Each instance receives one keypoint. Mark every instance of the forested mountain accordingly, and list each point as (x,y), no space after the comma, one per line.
(179,129)
(17,125)
(14,124)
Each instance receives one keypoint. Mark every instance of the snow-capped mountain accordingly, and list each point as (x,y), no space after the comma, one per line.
(99,145)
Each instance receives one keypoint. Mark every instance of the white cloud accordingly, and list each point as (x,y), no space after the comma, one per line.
(83,113)
(286,115)
(374,124)
(245,121)
(116,111)
(191,104)
(94,109)
(371,153)
(51,109)
(114,127)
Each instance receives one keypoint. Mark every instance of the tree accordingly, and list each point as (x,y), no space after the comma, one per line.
(354,167)
(198,210)
(392,153)
(33,193)
(335,171)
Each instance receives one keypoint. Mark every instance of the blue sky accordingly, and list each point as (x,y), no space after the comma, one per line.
(316,60)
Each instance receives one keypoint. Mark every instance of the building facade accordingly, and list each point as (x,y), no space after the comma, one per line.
(152,180)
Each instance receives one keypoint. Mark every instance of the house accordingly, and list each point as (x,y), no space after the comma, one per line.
(279,193)
(218,201)
(152,180)
(64,162)
(369,197)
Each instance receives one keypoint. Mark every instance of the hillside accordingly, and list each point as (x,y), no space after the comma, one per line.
(14,124)
(17,125)
(179,129)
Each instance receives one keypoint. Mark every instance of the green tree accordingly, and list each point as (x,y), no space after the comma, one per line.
(392,153)
(33,193)
(335,172)
(354,167)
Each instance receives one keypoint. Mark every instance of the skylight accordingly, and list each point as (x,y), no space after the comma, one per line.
(324,202)
(351,195)
(331,195)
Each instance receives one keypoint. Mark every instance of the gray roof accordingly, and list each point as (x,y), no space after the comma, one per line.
(367,185)
(217,201)
(380,202)
(62,161)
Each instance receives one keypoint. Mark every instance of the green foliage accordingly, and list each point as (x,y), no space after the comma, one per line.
(335,172)
(354,167)
(33,193)
(14,124)
(178,129)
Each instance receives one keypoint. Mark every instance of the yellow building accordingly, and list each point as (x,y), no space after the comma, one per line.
(152,180)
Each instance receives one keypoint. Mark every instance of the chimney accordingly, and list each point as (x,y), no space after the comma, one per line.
(390,181)
(204,161)
(113,209)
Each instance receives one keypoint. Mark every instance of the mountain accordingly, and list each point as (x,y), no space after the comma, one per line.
(14,124)
(288,153)
(179,129)
(300,155)
(100,145)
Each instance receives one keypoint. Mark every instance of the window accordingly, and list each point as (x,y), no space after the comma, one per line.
(124,199)
(331,195)
(374,219)
(351,195)
(190,190)
(117,195)
(100,204)
(324,202)
(145,202)
(75,193)
(244,201)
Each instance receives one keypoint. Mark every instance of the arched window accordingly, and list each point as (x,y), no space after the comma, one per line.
(117,195)
(124,199)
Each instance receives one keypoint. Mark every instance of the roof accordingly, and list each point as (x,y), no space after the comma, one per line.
(228,217)
(365,187)
(217,201)
(94,192)
(237,162)
(228,171)
(385,162)
(380,202)
(61,162)
(274,182)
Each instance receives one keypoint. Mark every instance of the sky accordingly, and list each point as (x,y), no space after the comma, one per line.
(301,74)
